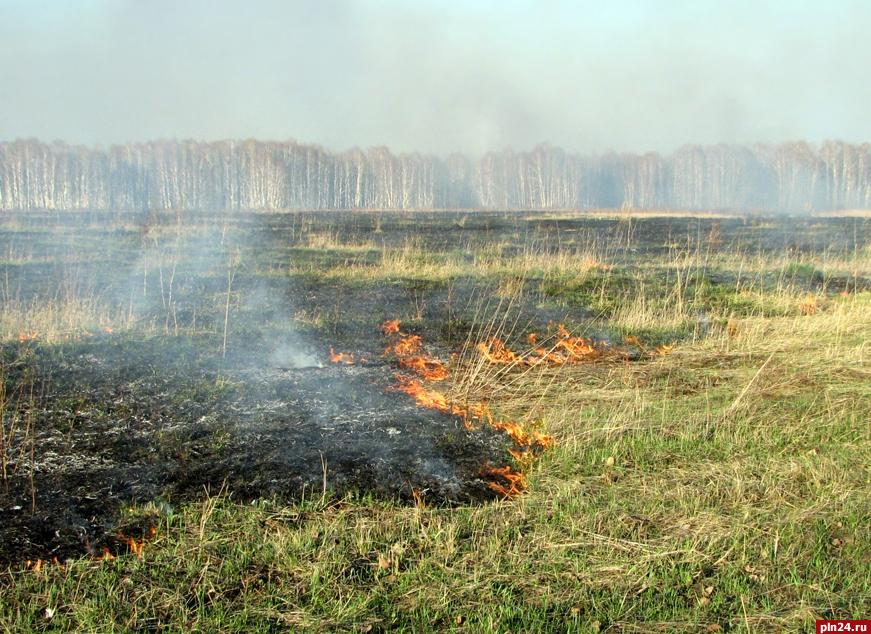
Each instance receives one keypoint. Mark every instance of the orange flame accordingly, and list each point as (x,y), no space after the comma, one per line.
(136,546)
(568,349)
(475,412)
(34,566)
(27,335)
(418,499)
(409,351)
(341,357)
(513,483)
(575,347)
(428,368)
(495,351)
(808,305)
(406,346)
(390,327)
(431,399)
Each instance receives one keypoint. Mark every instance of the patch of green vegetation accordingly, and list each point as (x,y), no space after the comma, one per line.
(598,293)
(803,270)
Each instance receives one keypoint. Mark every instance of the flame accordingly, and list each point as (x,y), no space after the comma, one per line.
(406,346)
(577,348)
(390,327)
(567,349)
(523,437)
(136,546)
(27,335)
(34,566)
(513,482)
(495,351)
(418,498)
(471,414)
(341,357)
(428,368)
(431,399)
(410,354)
(808,306)
(409,350)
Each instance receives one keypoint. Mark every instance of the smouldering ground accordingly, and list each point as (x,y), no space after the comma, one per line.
(723,486)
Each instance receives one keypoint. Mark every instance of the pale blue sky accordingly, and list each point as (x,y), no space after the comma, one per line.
(437,75)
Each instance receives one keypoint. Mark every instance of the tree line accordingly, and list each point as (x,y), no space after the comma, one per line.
(257,175)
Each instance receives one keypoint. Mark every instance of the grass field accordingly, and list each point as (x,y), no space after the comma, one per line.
(716,479)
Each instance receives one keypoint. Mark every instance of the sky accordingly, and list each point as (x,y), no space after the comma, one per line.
(437,76)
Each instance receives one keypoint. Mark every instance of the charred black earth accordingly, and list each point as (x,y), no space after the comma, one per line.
(116,422)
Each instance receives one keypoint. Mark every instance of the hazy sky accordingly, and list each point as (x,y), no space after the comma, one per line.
(437,75)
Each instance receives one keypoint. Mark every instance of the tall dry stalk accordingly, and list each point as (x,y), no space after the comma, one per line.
(232,265)
(4,455)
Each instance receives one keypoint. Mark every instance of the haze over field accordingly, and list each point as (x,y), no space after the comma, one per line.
(269,176)
(435,105)
(437,77)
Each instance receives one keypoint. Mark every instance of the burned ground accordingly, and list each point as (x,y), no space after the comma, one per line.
(118,422)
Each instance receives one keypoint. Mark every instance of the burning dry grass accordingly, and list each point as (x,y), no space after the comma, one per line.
(410,355)
(409,352)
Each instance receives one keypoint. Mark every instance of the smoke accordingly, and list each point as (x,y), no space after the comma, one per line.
(200,276)
(437,77)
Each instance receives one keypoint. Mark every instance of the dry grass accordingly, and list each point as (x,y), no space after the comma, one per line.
(57,320)
(634,213)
